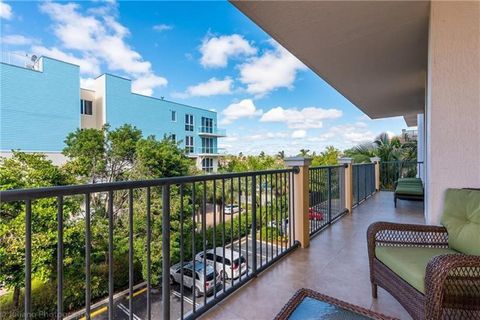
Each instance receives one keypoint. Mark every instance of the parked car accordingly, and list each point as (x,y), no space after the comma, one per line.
(315,214)
(231,209)
(232,269)
(202,285)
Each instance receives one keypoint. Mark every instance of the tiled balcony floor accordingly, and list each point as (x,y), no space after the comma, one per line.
(336,264)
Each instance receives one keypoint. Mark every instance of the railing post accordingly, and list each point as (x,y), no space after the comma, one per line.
(165,251)
(300,194)
(254,224)
(376,160)
(348,162)
(329,194)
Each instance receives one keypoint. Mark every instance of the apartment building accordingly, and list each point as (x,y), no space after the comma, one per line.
(42,102)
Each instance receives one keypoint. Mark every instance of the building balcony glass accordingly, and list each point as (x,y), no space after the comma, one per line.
(212,131)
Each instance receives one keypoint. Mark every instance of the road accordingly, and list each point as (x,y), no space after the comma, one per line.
(139,302)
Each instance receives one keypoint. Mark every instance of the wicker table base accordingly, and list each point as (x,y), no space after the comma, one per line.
(307,304)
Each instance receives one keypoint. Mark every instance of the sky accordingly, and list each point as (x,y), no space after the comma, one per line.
(201,53)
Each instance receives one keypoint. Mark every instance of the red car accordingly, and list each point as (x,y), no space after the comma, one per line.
(314,214)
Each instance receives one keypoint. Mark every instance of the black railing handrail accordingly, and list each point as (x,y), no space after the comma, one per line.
(70,190)
(329,166)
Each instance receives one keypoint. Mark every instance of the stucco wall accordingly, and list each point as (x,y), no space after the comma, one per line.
(38,108)
(453,101)
(95,119)
(151,115)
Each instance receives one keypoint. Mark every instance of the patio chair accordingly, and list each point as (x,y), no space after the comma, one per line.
(433,271)
(408,189)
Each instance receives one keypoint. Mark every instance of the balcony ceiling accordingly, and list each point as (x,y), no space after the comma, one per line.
(373,52)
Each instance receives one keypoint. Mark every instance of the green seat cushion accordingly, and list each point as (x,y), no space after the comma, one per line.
(409,263)
(461,217)
(409,189)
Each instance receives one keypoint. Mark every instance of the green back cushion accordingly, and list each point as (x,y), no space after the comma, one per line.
(461,217)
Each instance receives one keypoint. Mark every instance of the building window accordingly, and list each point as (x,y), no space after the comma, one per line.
(189,122)
(207,125)
(173,137)
(207,164)
(189,144)
(174,115)
(207,145)
(86,107)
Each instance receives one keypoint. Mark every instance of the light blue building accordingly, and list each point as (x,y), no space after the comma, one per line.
(41,103)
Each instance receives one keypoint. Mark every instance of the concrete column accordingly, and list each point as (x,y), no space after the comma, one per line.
(300,194)
(348,162)
(376,160)
(453,100)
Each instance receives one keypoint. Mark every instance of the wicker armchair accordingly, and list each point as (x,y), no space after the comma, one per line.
(452,281)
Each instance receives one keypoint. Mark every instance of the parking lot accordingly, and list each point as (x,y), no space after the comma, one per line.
(139,302)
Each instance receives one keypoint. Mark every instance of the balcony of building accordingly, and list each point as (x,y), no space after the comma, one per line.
(206,131)
(195,152)
(258,218)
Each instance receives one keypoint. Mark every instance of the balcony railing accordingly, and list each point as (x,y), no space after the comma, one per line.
(205,151)
(363,182)
(243,221)
(326,196)
(196,238)
(391,171)
(212,131)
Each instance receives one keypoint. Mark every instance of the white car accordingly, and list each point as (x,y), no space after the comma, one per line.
(202,286)
(232,269)
(231,208)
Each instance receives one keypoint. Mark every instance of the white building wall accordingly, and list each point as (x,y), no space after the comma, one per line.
(453,102)
(95,119)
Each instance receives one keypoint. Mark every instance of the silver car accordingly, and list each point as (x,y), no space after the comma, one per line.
(215,257)
(200,286)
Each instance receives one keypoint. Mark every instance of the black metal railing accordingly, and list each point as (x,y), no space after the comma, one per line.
(363,182)
(326,196)
(195,240)
(391,171)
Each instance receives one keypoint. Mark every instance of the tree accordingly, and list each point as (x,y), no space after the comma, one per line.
(384,147)
(327,157)
(27,171)
(102,155)
(304,152)
(156,159)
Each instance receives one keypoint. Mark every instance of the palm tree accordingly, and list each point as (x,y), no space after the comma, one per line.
(384,147)
(304,152)
(281,155)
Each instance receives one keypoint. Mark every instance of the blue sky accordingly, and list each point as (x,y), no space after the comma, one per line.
(206,54)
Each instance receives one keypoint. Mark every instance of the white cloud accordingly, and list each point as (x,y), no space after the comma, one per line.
(208,88)
(88,64)
(145,84)
(305,118)
(346,135)
(99,37)
(217,50)
(273,69)
(299,134)
(18,40)
(243,109)
(5,11)
(162,27)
